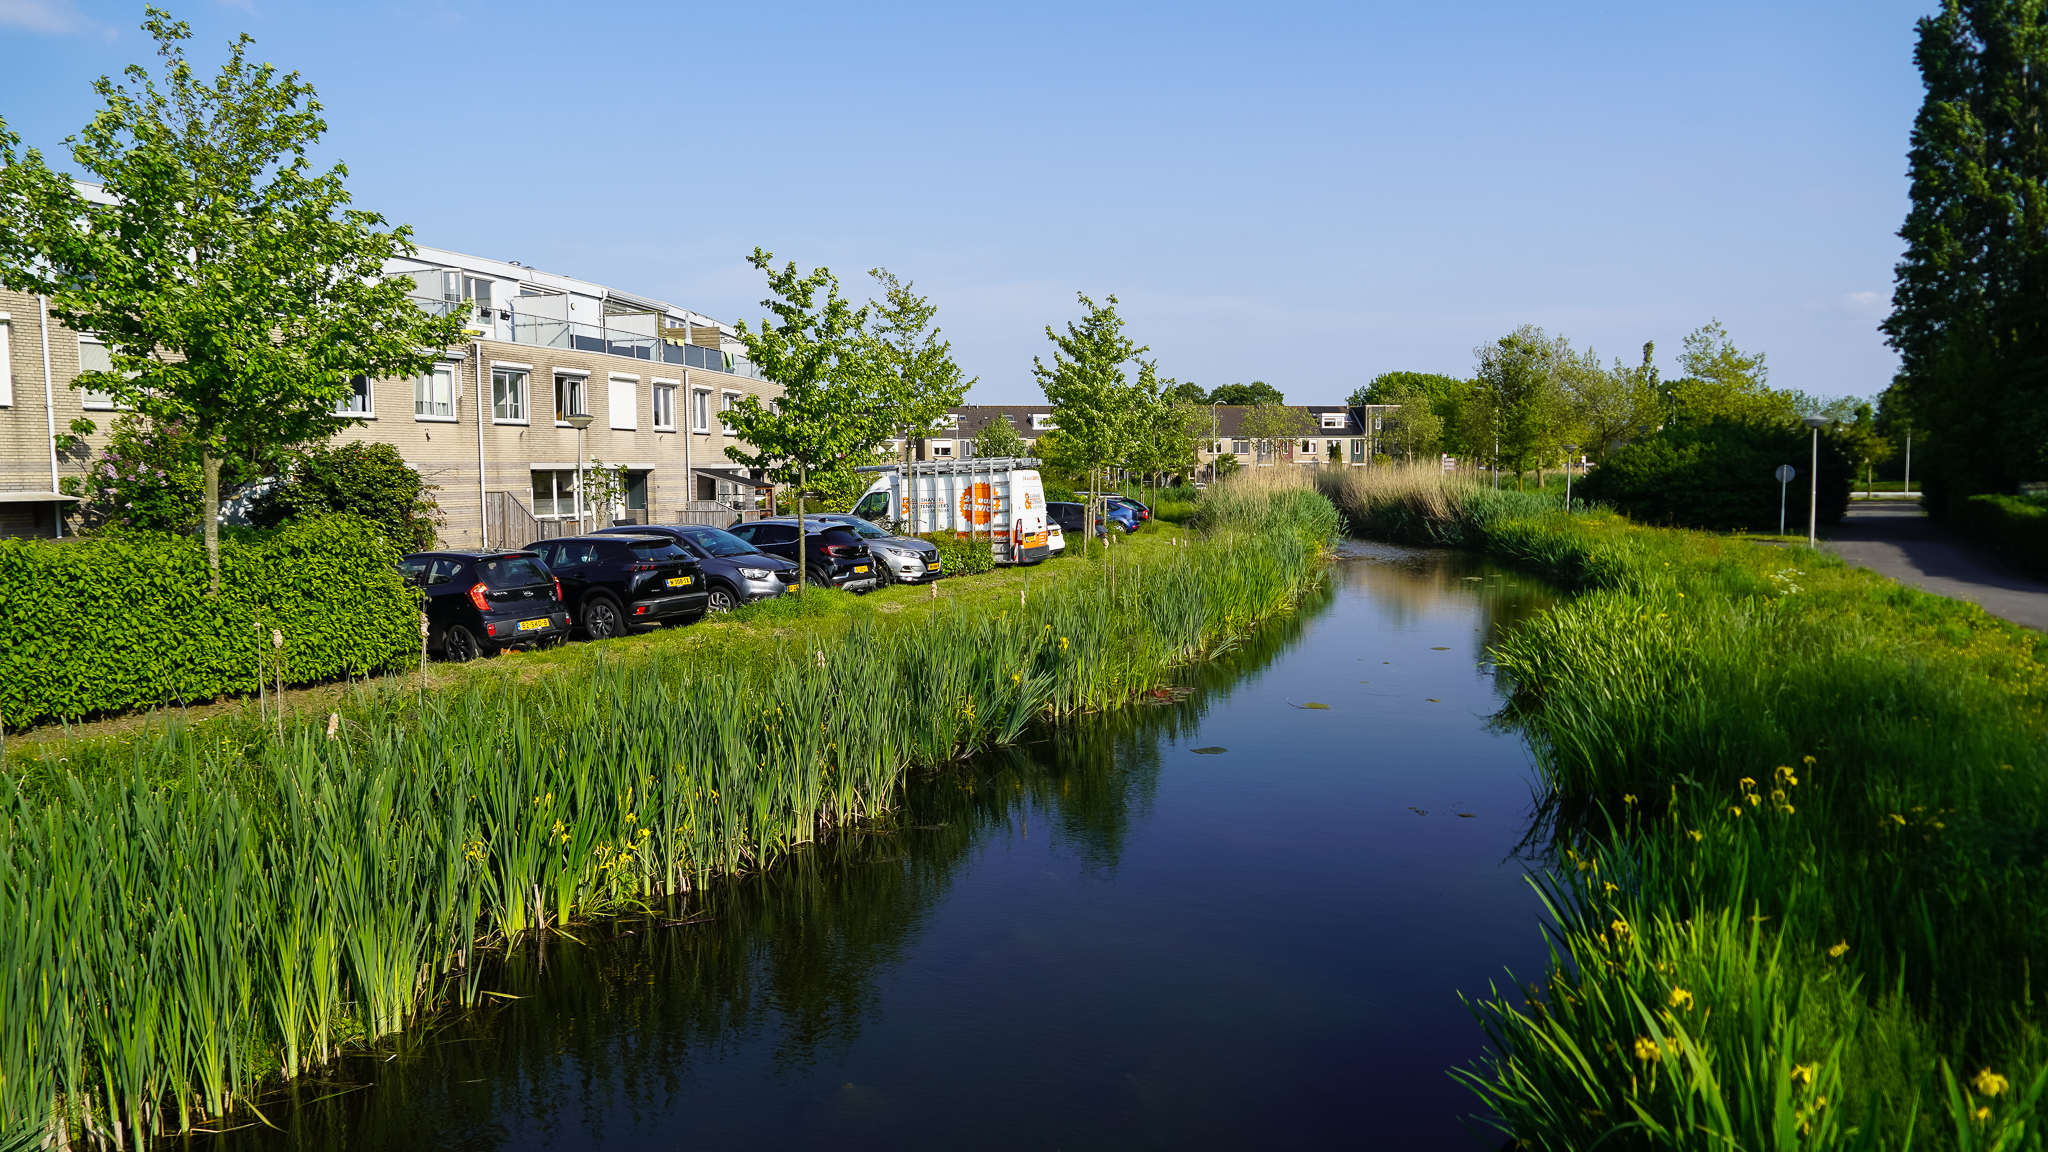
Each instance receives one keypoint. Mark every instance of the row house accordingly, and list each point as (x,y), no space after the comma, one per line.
(493,425)
(1347,435)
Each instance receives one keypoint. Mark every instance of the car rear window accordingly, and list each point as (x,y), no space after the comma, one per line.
(645,550)
(839,535)
(512,572)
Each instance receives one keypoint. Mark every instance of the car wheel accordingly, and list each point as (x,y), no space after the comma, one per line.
(722,599)
(817,576)
(603,619)
(885,574)
(459,646)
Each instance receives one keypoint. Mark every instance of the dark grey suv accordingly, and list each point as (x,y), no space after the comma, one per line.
(735,572)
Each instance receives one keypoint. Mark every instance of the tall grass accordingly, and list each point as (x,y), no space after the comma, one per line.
(191,911)
(1799,817)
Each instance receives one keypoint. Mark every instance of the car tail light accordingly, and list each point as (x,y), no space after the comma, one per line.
(839,550)
(476,597)
(558,591)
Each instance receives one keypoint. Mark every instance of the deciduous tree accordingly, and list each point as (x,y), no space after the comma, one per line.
(916,378)
(822,356)
(1088,388)
(236,290)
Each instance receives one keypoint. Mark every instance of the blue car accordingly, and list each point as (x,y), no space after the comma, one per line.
(1069,516)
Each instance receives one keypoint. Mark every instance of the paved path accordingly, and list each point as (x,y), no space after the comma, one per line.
(1895,538)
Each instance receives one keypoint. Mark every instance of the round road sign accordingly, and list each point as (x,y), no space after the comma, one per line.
(1786,472)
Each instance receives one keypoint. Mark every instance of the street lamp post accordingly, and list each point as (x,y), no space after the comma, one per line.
(579,422)
(1570,450)
(1214,442)
(1813,482)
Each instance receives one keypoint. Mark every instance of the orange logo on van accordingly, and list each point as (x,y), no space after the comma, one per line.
(978,503)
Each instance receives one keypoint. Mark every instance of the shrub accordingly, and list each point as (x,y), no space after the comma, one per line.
(108,623)
(147,478)
(2013,526)
(368,480)
(1720,475)
(962,556)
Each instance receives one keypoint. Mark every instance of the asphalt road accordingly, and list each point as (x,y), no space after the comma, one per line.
(1895,538)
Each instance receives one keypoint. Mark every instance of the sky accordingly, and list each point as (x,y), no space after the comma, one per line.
(1305,194)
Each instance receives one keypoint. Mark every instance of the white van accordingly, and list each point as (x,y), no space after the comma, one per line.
(1000,499)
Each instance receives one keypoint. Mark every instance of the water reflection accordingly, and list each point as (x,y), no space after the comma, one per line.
(1091,940)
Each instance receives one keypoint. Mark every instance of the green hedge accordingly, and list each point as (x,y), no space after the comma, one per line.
(962,556)
(2012,526)
(1720,476)
(114,622)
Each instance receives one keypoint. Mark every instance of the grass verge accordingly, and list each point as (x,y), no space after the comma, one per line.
(1798,828)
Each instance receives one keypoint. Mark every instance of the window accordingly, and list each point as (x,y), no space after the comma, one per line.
(433,393)
(1240,447)
(1334,451)
(1308,447)
(1358,451)
(623,392)
(94,357)
(665,407)
(725,404)
(554,495)
(1333,419)
(942,449)
(508,396)
(1042,422)
(636,492)
(6,377)
(700,410)
(570,397)
(360,401)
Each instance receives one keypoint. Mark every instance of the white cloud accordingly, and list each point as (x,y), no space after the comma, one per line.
(1865,300)
(41,15)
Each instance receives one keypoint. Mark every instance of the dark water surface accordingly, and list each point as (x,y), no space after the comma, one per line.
(1102,940)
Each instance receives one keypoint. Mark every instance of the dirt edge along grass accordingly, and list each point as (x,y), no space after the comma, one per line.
(1793,844)
(189,912)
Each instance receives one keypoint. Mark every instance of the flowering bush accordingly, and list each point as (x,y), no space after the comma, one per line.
(147,478)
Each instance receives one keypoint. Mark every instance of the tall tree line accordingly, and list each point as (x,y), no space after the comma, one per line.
(1970,305)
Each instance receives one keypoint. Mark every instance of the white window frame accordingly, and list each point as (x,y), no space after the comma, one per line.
(521,408)
(95,401)
(422,394)
(579,380)
(369,396)
(1042,422)
(622,401)
(6,362)
(661,398)
(700,410)
(1333,420)
(940,449)
(725,402)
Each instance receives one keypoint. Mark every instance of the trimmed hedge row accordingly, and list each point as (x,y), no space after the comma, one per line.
(109,623)
(2013,526)
(961,555)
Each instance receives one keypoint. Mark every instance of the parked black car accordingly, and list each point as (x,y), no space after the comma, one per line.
(898,559)
(833,555)
(619,582)
(1070,516)
(480,602)
(735,572)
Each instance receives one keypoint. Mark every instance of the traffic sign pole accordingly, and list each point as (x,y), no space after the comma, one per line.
(1785,474)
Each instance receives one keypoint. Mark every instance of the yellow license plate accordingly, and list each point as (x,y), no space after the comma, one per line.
(934,566)
(534,625)
(859,568)
(679,581)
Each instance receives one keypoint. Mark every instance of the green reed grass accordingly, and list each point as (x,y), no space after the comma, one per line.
(189,912)
(1800,817)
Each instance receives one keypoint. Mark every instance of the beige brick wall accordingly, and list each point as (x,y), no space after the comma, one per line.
(446,452)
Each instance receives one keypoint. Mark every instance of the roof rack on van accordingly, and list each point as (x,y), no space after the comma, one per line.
(959,467)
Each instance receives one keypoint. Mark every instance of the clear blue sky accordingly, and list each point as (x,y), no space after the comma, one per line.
(1306,194)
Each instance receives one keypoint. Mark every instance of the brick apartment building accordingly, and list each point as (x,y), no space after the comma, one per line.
(487,426)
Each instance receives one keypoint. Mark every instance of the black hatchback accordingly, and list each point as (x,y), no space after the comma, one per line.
(619,582)
(479,602)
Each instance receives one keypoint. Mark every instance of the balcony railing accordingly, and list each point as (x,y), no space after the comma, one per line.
(570,334)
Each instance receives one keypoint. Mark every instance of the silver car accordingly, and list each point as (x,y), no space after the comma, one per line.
(905,559)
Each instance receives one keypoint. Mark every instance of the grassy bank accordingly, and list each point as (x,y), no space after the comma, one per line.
(189,909)
(1798,821)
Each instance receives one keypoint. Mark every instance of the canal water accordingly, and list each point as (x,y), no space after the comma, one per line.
(1228,921)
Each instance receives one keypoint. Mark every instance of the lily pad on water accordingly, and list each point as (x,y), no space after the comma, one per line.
(1439,649)
(1432,700)
(1468,815)
(1312,704)
(1210,751)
